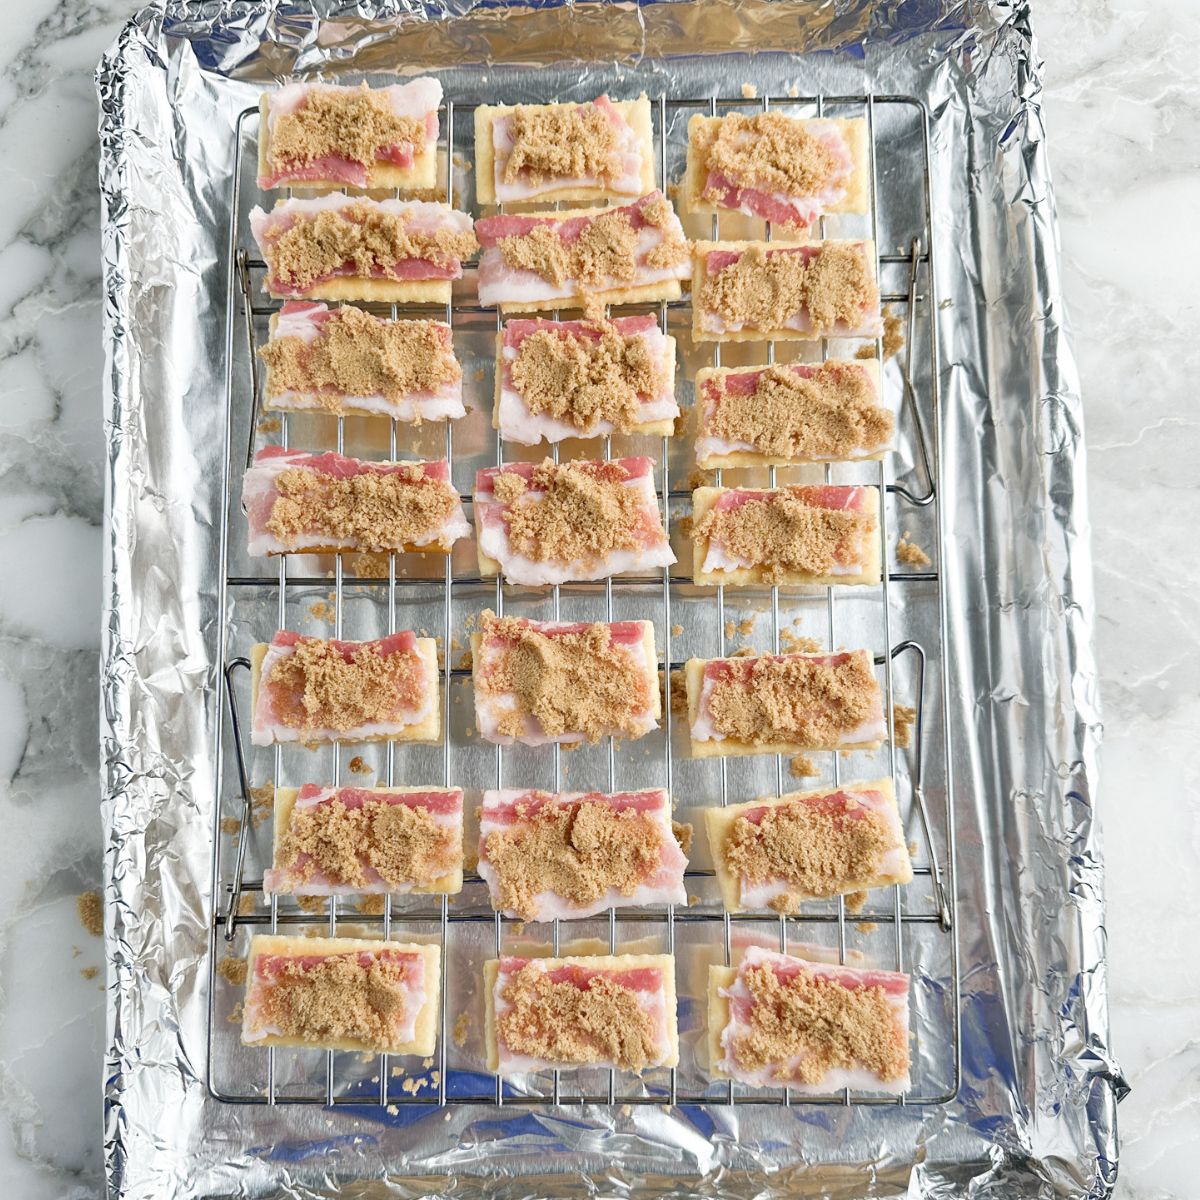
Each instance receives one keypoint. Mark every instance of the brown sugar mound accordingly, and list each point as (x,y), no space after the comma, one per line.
(338,999)
(783,534)
(762,291)
(583,515)
(795,699)
(365,239)
(583,380)
(573,683)
(355,125)
(828,414)
(374,510)
(821,1023)
(323,690)
(402,843)
(562,1023)
(815,852)
(604,253)
(769,152)
(577,850)
(356,354)
(562,142)
(232,970)
(912,555)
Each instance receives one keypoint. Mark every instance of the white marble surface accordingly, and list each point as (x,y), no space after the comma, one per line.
(1123,113)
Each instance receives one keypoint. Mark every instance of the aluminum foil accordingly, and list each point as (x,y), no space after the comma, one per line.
(1035,1113)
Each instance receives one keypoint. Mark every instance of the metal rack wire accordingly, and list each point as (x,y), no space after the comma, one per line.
(230,882)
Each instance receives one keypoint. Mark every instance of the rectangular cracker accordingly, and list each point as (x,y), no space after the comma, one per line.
(858,189)
(609,962)
(636,112)
(648,649)
(427,731)
(424,1041)
(285,802)
(751,458)
(700,252)
(758,576)
(719,821)
(370,290)
(731,747)
(421,175)
(664,428)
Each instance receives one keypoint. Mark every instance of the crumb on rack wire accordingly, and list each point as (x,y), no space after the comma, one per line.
(911,554)
(749,91)
(802,766)
(904,716)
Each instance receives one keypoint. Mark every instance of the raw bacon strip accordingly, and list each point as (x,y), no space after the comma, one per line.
(598,255)
(339,247)
(299,503)
(746,291)
(392,140)
(775,853)
(592,681)
(791,413)
(366,841)
(827,1027)
(615,1011)
(546,856)
(597,151)
(599,361)
(318,358)
(309,690)
(824,534)
(784,704)
(552,523)
(786,170)
(342,994)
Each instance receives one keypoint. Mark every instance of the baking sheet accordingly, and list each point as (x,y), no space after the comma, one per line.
(1035,1114)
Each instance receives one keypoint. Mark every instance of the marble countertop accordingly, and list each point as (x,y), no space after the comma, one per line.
(1123,116)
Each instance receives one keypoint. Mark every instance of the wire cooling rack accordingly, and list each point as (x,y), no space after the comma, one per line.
(912,928)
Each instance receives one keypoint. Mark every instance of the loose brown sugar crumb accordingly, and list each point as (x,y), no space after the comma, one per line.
(743,652)
(371,906)
(370,564)
(356,125)
(792,642)
(262,803)
(865,352)
(462,1027)
(338,999)
(401,842)
(562,141)
(559,1022)
(380,510)
(577,850)
(749,91)
(230,825)
(683,835)
(815,852)
(903,719)
(856,902)
(676,630)
(322,610)
(698,478)
(801,766)
(574,683)
(91,912)
(679,702)
(89,973)
(322,690)
(909,553)
(826,414)
(356,354)
(232,969)
(270,423)
(767,151)
(782,534)
(820,1023)
(585,380)
(583,514)
(235,1014)
(893,333)
(762,291)
(368,239)
(311,904)
(795,699)
(360,766)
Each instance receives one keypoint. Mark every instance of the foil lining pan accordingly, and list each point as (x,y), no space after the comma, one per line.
(1034,1113)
